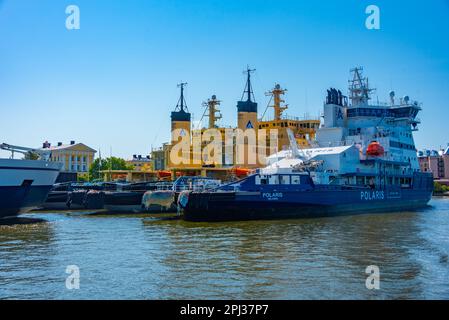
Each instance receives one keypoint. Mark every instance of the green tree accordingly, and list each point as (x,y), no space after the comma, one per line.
(83,178)
(440,188)
(112,163)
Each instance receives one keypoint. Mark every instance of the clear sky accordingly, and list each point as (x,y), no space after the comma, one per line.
(113,82)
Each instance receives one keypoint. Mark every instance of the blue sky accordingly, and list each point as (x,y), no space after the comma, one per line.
(113,82)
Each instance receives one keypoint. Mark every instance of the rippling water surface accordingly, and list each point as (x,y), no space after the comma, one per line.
(139,257)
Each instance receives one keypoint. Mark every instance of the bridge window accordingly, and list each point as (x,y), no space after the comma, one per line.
(360,181)
(261,180)
(274,179)
(285,179)
(296,179)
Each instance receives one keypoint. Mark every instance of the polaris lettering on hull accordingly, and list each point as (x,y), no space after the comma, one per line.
(272,196)
(372,195)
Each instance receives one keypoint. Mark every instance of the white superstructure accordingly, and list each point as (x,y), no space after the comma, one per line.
(352,125)
(14,172)
(353,120)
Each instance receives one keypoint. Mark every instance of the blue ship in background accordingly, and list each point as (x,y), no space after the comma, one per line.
(364,160)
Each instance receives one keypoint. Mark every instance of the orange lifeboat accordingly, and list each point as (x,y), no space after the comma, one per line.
(375,149)
(242,172)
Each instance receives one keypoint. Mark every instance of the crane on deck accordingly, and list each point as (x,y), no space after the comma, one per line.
(40,153)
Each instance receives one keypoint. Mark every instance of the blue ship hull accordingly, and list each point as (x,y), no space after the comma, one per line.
(325,202)
(25,184)
(14,200)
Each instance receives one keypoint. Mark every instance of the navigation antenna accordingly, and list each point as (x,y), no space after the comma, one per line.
(182,105)
(248,88)
(359,87)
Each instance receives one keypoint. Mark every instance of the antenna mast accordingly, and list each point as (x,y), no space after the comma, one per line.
(359,87)
(276,95)
(212,105)
(181,105)
(248,88)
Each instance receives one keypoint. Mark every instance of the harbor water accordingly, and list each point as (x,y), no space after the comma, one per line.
(142,257)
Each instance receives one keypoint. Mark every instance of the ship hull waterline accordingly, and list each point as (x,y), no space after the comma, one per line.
(17,200)
(210,208)
(25,184)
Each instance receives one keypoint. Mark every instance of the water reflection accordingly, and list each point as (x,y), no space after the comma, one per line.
(134,257)
(324,258)
(25,255)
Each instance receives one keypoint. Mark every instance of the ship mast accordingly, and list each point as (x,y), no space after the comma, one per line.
(214,112)
(276,95)
(359,88)
(248,88)
(181,105)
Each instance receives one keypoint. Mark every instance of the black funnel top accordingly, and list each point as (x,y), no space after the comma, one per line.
(180,116)
(249,105)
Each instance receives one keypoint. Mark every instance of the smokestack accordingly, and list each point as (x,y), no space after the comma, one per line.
(334,96)
(72,142)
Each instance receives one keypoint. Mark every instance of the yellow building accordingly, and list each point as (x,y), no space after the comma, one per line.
(75,157)
(140,163)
